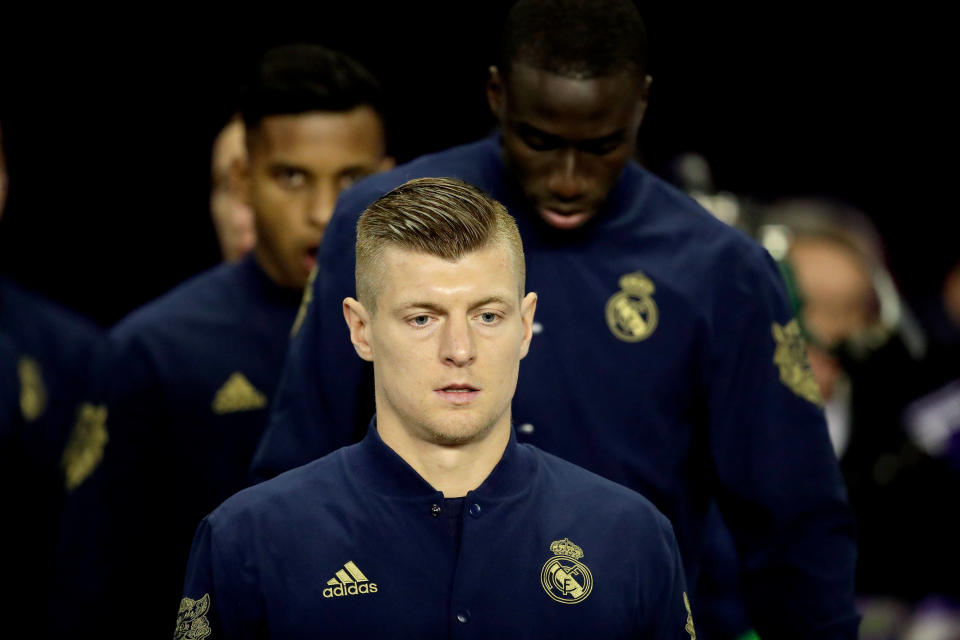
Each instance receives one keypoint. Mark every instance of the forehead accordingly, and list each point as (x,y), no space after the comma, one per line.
(826,266)
(357,133)
(414,276)
(587,107)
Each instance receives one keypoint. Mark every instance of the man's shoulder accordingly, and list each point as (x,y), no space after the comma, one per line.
(475,163)
(580,487)
(193,299)
(665,208)
(673,226)
(46,330)
(270,503)
(55,320)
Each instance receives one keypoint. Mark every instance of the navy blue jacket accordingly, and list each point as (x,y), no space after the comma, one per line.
(355,545)
(664,358)
(186,383)
(9,393)
(48,356)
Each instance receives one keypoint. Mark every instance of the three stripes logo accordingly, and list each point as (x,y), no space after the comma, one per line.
(349,581)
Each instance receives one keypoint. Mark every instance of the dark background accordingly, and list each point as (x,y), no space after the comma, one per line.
(108,121)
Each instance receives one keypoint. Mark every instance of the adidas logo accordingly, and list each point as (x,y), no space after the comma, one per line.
(237,394)
(350,581)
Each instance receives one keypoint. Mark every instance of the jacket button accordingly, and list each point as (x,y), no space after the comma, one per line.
(463,616)
(435,510)
(475,510)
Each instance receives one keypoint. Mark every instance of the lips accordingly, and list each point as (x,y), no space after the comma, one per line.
(564,219)
(458,394)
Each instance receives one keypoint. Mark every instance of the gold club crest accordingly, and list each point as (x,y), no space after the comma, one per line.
(192,623)
(564,577)
(33,393)
(631,312)
(84,450)
(791,358)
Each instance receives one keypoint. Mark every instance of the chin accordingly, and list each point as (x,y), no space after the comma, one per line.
(457,432)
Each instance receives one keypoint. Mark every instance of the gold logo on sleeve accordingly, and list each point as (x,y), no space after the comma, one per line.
(791,358)
(631,312)
(238,394)
(33,393)
(564,577)
(689,628)
(84,450)
(192,623)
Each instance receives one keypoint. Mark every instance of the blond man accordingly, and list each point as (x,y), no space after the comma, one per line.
(439,522)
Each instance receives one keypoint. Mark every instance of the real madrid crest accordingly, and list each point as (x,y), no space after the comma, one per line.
(631,312)
(791,358)
(564,577)
(192,622)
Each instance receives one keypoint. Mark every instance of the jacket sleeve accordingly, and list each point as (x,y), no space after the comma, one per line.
(780,489)
(667,613)
(219,590)
(325,396)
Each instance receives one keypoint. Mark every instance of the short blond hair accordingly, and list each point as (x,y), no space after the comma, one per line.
(442,217)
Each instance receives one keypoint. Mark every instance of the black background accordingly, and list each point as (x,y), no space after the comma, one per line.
(108,120)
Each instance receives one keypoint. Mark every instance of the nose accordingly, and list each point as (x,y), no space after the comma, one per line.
(567,181)
(457,346)
(322,204)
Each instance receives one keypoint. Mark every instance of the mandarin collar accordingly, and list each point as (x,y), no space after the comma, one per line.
(251,271)
(381,469)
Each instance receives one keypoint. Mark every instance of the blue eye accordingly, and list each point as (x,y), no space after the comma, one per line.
(489,317)
(420,321)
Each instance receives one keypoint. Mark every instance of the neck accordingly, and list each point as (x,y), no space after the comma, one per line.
(270,269)
(451,469)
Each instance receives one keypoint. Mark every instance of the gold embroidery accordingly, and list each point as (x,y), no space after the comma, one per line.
(192,623)
(564,577)
(33,393)
(631,312)
(84,450)
(237,394)
(304,303)
(349,581)
(791,358)
(689,628)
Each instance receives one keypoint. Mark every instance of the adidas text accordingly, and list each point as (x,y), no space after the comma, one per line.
(350,590)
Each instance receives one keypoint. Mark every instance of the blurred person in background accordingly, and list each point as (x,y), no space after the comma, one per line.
(189,377)
(48,352)
(665,356)
(871,361)
(231,215)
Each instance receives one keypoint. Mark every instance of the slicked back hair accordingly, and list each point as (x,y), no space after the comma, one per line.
(575,38)
(442,217)
(299,78)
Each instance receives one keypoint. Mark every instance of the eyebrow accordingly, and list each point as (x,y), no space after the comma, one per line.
(437,309)
(282,163)
(524,128)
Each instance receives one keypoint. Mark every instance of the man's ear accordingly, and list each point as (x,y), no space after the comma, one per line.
(528,307)
(358,322)
(495,89)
